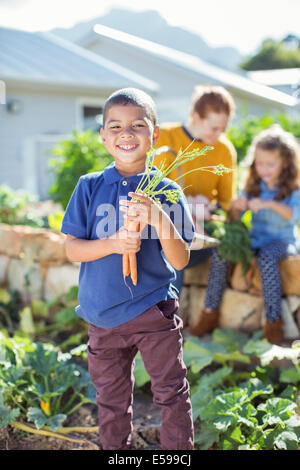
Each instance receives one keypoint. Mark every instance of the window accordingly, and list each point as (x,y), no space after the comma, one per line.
(92,117)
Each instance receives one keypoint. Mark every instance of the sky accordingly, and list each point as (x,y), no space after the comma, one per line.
(242,24)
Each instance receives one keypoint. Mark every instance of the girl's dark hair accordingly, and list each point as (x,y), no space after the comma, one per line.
(275,138)
(131,96)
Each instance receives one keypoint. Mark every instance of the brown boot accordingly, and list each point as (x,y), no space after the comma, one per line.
(207,322)
(273,331)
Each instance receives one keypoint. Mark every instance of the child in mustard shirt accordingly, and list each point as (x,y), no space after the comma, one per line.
(212,107)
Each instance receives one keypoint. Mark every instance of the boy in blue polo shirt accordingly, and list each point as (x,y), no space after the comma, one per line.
(124,319)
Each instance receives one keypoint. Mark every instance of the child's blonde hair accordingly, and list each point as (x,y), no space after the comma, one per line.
(272,139)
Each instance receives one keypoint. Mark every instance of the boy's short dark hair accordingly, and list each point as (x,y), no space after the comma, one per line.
(134,97)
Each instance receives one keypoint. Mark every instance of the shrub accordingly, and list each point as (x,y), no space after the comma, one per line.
(83,153)
(242,135)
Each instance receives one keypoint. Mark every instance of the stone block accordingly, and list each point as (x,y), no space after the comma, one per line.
(59,279)
(197,275)
(44,245)
(240,310)
(25,278)
(196,304)
(10,239)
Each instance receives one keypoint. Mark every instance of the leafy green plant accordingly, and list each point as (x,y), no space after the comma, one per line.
(12,207)
(243,133)
(55,320)
(248,407)
(39,383)
(82,153)
(235,245)
(235,240)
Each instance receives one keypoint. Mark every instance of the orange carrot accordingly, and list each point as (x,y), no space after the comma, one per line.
(126,265)
(129,259)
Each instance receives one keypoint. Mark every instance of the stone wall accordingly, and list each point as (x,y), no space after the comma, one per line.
(33,262)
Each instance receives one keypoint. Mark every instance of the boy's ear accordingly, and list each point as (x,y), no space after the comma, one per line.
(102,134)
(156,134)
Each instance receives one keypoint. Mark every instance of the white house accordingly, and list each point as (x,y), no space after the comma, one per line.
(52,87)
(177,73)
(286,80)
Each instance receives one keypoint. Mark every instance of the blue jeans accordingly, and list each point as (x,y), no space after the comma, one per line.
(197,257)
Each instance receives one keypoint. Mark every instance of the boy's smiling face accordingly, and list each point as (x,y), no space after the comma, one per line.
(128,135)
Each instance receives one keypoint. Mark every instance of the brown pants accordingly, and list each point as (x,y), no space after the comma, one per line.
(111,351)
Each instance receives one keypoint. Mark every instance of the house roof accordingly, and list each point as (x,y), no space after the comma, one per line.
(46,59)
(193,64)
(276,76)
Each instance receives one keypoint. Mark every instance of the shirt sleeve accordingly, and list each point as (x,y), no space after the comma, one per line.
(294,203)
(75,218)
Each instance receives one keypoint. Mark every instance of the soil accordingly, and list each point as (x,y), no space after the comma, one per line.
(146,430)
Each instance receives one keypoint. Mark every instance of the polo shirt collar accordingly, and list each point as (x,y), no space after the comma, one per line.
(111,175)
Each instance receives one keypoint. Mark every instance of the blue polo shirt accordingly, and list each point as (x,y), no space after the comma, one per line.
(268,226)
(93,212)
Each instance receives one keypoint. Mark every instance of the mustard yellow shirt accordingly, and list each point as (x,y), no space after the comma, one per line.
(216,188)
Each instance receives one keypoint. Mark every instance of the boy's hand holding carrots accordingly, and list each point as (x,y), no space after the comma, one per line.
(143,210)
(126,241)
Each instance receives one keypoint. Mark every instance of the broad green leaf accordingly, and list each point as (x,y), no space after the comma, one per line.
(226,405)
(7,415)
(56,421)
(231,339)
(42,360)
(256,387)
(12,375)
(200,399)
(289,392)
(40,420)
(289,376)
(231,356)
(293,424)
(223,422)
(66,316)
(141,376)
(37,416)
(287,440)
(215,378)
(256,347)
(246,415)
(196,356)
(277,410)
(233,439)
(207,436)
(279,352)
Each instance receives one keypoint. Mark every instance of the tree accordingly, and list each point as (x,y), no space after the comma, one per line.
(275,55)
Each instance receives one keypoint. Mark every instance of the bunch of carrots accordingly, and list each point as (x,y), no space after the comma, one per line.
(148,186)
